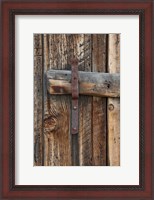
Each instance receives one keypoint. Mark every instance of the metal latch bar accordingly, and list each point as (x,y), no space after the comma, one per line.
(75,96)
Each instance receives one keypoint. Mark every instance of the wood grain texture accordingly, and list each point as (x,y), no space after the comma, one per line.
(56,145)
(38,100)
(99,104)
(113,105)
(90,83)
(46,102)
(85,104)
(58,122)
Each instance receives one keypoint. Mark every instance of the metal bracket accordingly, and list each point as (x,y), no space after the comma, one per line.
(75,96)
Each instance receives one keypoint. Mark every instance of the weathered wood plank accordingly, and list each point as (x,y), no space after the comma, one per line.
(38,101)
(46,113)
(57,120)
(90,83)
(85,106)
(105,86)
(113,111)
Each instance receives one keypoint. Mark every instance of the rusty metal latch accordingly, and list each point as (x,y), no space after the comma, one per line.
(75,96)
(61,82)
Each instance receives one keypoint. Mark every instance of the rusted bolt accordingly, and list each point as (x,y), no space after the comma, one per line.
(111,107)
(74,107)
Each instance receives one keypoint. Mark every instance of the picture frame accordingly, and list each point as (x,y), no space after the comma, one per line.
(12,8)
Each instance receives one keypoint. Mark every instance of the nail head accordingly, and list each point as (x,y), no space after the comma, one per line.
(74,107)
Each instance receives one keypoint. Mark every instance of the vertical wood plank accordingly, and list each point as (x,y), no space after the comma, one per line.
(58,122)
(65,140)
(113,105)
(85,104)
(46,100)
(99,104)
(38,100)
(79,46)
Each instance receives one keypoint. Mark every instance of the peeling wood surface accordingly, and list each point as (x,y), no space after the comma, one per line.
(92,83)
(113,110)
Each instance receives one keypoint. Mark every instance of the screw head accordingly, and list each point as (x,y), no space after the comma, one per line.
(74,107)
(74,128)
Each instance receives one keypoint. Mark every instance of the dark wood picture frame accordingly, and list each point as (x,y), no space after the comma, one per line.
(12,8)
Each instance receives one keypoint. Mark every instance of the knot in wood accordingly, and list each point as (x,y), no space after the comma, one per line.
(50,124)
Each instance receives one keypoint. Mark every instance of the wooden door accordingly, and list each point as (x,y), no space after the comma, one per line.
(99,117)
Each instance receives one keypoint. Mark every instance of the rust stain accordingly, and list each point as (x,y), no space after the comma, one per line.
(58,89)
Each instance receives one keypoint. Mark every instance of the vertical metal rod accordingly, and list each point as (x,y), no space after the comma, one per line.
(75,113)
(75,96)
